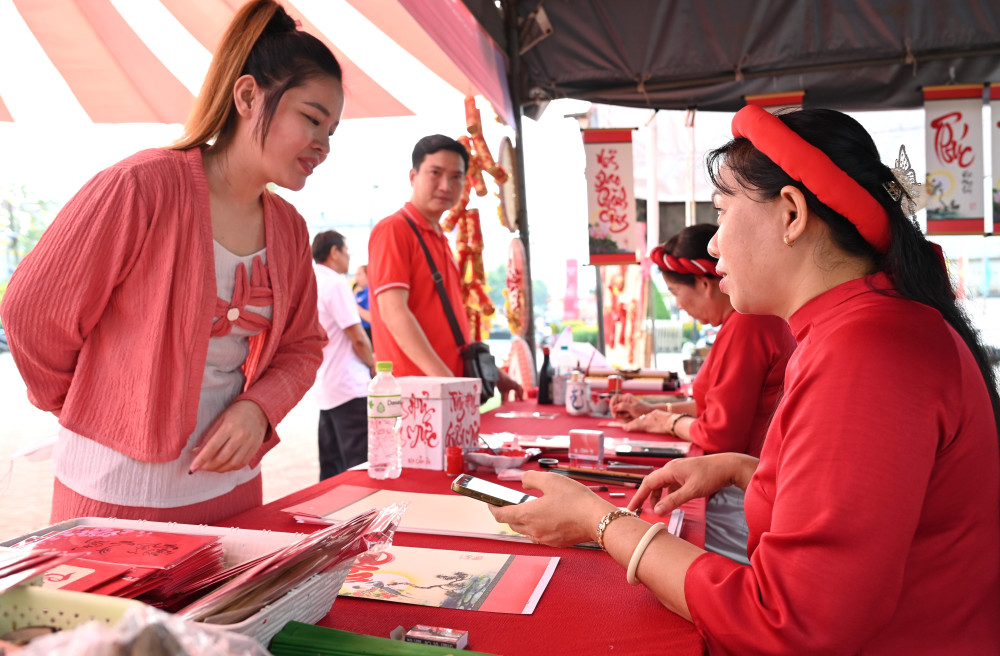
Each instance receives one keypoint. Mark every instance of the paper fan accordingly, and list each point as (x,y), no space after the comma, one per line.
(519,363)
(516,291)
(508,190)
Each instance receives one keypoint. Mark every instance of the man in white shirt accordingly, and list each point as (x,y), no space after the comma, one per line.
(348,363)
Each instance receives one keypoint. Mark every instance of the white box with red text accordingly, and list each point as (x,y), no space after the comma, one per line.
(437,413)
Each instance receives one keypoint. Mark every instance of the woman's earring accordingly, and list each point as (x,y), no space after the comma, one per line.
(788,243)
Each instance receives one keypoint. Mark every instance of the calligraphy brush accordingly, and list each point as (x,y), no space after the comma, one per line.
(588,471)
(483,439)
(607,480)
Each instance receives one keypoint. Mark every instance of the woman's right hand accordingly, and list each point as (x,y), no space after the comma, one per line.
(684,479)
(565,514)
(233,439)
(626,407)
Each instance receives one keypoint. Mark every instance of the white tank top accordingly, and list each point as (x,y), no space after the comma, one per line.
(101,473)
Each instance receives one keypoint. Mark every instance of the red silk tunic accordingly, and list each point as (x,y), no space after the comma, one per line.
(738,386)
(874,514)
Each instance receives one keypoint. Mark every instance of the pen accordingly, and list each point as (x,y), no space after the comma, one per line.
(595,478)
(625,465)
(622,476)
(648,451)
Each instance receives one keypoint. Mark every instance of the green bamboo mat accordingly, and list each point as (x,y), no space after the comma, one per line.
(298,639)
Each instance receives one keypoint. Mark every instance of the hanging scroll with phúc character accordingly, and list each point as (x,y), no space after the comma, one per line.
(954,135)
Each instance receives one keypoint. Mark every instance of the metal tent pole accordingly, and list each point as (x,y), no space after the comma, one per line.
(514,82)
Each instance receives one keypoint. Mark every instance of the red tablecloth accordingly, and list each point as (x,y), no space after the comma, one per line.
(694,521)
(587,608)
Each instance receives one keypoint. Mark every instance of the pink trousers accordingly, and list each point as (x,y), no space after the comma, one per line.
(67,504)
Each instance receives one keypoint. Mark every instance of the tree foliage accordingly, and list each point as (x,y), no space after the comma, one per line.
(23,219)
(496,282)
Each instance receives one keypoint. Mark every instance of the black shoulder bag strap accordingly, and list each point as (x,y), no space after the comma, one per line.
(439,284)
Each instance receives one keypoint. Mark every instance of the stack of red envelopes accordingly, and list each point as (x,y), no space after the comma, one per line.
(272,576)
(152,566)
(19,566)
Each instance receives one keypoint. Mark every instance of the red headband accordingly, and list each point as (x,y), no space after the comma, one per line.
(813,168)
(699,267)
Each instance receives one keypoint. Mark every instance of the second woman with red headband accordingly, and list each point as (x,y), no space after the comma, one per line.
(874,508)
(736,389)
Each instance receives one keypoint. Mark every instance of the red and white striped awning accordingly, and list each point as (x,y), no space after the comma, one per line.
(142,61)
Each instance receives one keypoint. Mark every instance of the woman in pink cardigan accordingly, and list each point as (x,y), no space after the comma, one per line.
(168,315)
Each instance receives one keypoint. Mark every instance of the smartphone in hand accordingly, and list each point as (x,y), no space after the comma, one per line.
(491,493)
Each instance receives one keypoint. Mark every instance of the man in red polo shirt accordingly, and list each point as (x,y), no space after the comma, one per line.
(409,325)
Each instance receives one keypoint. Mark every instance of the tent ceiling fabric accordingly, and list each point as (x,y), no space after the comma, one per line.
(466,43)
(80,38)
(116,77)
(675,54)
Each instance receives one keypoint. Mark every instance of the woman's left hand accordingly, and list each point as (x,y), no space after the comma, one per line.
(626,407)
(233,438)
(657,421)
(567,513)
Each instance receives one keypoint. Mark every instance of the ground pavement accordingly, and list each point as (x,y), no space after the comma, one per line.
(26,495)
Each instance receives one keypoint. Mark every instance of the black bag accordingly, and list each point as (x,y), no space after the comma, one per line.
(477,362)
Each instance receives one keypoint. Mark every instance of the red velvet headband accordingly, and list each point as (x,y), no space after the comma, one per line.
(813,168)
(699,267)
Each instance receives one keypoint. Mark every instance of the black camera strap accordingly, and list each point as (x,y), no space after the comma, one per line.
(439,284)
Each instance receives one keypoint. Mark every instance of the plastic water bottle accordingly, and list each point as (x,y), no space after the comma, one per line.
(563,365)
(385,444)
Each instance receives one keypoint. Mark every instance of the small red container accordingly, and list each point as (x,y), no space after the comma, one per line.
(454,462)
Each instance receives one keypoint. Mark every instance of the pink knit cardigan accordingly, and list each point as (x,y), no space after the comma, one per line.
(108,318)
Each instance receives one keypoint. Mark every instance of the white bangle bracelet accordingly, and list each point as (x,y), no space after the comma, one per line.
(640,549)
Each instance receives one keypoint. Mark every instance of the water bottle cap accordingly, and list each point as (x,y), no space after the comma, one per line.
(383,366)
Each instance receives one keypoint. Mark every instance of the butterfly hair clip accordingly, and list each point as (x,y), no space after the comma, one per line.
(905,180)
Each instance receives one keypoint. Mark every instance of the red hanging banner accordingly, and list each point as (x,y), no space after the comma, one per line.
(774,102)
(954,133)
(610,196)
(995,146)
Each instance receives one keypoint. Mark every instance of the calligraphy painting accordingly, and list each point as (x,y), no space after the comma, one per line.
(611,224)
(463,580)
(954,136)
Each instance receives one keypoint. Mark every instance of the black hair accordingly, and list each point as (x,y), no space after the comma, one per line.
(324,242)
(436,143)
(285,58)
(263,41)
(692,243)
(911,262)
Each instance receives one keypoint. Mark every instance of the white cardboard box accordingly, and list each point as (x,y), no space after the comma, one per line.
(437,413)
